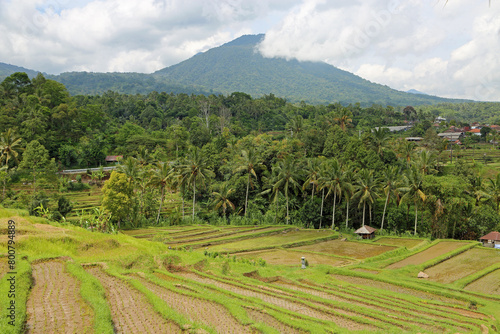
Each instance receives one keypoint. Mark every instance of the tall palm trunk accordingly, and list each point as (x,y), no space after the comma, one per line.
(347,215)
(194,196)
(161,202)
(246,197)
(415,218)
(321,214)
(287,217)
(385,207)
(333,212)
(312,194)
(364,207)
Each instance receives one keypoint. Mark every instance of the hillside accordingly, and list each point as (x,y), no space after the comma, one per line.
(237,66)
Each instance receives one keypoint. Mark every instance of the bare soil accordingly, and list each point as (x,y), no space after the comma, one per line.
(488,284)
(398,289)
(293,258)
(284,303)
(262,316)
(356,250)
(399,242)
(462,265)
(55,304)
(130,310)
(430,253)
(198,309)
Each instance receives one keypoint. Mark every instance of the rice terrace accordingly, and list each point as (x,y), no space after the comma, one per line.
(242,279)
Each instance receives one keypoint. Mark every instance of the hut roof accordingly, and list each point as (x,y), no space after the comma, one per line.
(491,236)
(365,230)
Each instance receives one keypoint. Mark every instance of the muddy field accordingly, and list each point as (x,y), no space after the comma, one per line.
(400,242)
(293,258)
(430,253)
(464,264)
(130,310)
(347,248)
(55,304)
(489,284)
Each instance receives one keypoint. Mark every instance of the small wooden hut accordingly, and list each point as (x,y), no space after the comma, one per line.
(366,232)
(491,239)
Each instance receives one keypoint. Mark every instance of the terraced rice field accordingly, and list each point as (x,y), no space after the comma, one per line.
(430,253)
(293,258)
(147,287)
(463,265)
(3,267)
(355,250)
(55,304)
(488,284)
(130,310)
(275,240)
(399,242)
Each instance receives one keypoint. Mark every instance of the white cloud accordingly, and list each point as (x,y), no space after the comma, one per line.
(442,48)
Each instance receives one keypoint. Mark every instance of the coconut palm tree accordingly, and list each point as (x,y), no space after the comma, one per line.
(379,138)
(161,177)
(248,163)
(343,118)
(425,161)
(494,191)
(365,190)
(10,145)
(195,170)
(222,199)
(286,178)
(413,190)
(391,183)
(131,169)
(347,190)
(332,181)
(312,170)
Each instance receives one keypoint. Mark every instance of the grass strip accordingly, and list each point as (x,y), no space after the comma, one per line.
(447,256)
(22,288)
(93,293)
(293,319)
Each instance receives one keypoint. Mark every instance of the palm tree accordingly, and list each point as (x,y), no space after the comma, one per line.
(405,150)
(249,162)
(161,177)
(286,179)
(494,191)
(347,190)
(413,190)
(10,145)
(222,199)
(343,118)
(269,184)
(332,181)
(296,125)
(425,161)
(312,170)
(131,169)
(366,190)
(195,170)
(391,182)
(379,139)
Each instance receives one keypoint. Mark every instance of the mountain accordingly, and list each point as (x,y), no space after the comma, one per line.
(7,69)
(237,66)
(414,91)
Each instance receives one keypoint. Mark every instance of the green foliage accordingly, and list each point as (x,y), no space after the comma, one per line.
(117,196)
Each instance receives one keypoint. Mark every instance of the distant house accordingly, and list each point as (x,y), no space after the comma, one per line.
(452,136)
(366,232)
(113,158)
(414,138)
(475,131)
(491,239)
(395,128)
(440,119)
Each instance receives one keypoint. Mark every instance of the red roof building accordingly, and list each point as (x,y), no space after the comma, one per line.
(491,239)
(113,158)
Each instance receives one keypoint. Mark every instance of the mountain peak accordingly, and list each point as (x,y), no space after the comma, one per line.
(246,40)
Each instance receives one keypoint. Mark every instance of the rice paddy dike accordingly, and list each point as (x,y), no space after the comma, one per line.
(242,279)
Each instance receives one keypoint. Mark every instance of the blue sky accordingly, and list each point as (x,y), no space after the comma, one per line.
(448,49)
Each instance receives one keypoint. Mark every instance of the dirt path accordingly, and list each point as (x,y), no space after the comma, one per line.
(198,309)
(130,310)
(430,253)
(284,303)
(55,304)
